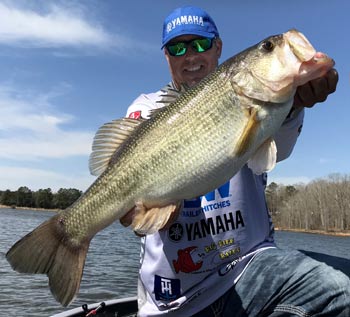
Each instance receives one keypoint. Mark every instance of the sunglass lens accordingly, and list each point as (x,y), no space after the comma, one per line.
(199,45)
(177,49)
(202,45)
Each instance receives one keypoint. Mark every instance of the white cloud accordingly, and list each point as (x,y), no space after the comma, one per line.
(62,26)
(33,130)
(56,27)
(14,177)
(51,146)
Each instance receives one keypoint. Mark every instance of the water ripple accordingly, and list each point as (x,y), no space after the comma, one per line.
(111,266)
(110,271)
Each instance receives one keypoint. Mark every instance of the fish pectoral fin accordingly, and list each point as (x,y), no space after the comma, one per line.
(264,159)
(108,140)
(248,134)
(47,250)
(149,221)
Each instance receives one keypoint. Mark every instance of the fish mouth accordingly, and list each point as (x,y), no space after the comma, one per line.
(303,49)
(300,45)
(311,61)
(318,66)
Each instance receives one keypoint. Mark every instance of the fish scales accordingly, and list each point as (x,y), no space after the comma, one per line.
(165,153)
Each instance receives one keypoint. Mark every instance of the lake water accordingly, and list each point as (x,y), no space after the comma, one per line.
(111,265)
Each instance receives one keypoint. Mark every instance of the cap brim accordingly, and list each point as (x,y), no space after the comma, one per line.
(202,34)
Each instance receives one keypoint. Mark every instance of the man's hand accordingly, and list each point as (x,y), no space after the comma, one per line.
(316,90)
(126,221)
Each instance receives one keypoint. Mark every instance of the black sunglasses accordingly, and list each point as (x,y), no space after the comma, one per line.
(180,48)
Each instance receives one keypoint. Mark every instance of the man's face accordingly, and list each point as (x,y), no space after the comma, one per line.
(191,67)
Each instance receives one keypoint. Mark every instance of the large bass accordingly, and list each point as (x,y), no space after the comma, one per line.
(185,150)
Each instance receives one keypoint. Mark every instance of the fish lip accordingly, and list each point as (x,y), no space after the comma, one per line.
(320,57)
(307,55)
(321,61)
(300,45)
(319,65)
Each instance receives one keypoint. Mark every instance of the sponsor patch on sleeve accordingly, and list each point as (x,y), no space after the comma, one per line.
(166,289)
(135,114)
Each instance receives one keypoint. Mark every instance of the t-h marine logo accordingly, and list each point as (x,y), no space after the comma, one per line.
(166,289)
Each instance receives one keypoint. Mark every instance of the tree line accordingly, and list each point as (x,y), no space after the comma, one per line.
(323,204)
(42,198)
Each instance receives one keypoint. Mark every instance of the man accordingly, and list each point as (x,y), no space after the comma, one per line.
(225,263)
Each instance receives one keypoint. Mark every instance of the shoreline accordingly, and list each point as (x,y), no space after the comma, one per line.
(327,233)
(28,208)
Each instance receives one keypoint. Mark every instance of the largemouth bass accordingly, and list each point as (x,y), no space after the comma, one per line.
(186,149)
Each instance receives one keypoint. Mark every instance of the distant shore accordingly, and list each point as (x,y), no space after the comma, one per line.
(328,233)
(27,208)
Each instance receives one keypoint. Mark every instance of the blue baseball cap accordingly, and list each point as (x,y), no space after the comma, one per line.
(188,20)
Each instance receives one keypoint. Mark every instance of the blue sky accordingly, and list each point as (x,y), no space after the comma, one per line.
(67,67)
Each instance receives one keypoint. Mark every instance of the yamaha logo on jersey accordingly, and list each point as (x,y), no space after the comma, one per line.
(176,232)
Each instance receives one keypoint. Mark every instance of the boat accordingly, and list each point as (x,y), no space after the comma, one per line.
(127,307)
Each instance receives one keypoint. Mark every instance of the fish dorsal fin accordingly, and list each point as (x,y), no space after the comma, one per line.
(264,159)
(170,94)
(153,112)
(150,220)
(107,140)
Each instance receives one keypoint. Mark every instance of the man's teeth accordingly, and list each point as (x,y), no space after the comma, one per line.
(193,69)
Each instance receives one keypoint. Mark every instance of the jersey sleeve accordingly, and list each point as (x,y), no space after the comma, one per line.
(142,105)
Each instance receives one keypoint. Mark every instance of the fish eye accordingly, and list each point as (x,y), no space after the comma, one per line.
(267,45)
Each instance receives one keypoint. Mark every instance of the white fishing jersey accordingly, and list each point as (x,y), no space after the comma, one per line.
(187,267)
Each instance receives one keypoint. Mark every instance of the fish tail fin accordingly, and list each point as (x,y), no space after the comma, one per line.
(48,250)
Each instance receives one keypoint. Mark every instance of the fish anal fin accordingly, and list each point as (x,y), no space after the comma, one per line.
(264,159)
(249,132)
(108,140)
(47,250)
(150,220)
